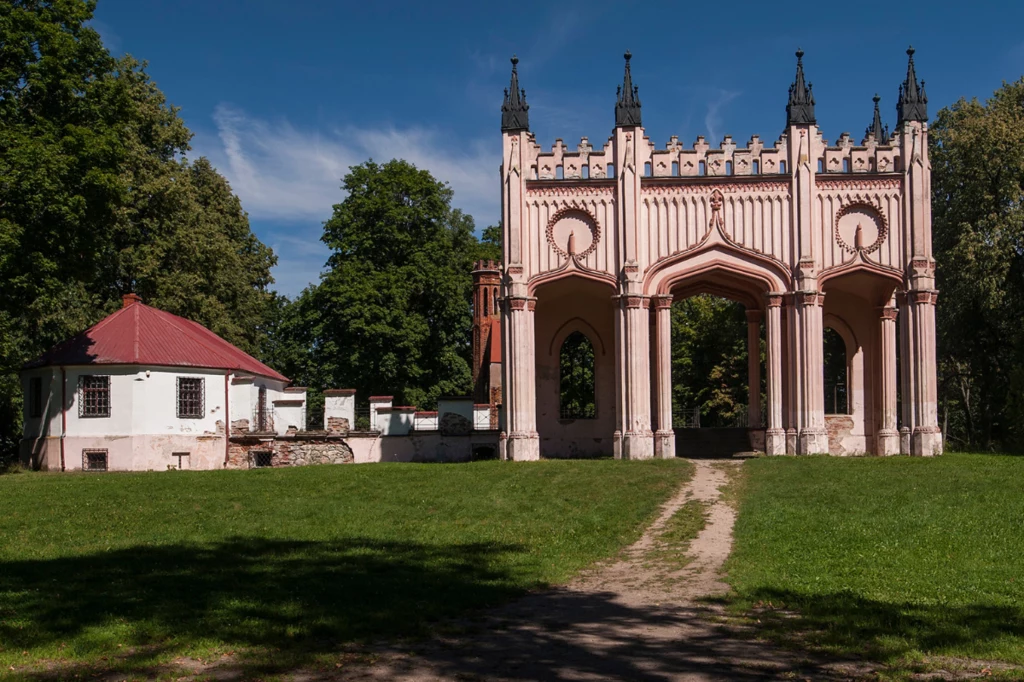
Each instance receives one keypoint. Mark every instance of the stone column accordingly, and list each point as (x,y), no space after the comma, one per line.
(812,439)
(635,367)
(905,319)
(926,439)
(664,438)
(523,441)
(754,368)
(887,440)
(775,436)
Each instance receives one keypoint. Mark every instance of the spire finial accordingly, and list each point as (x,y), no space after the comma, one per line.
(881,134)
(627,104)
(800,108)
(514,116)
(912,104)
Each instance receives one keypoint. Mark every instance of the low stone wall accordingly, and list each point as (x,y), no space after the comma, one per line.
(289,450)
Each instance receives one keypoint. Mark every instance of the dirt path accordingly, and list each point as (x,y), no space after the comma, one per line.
(631,619)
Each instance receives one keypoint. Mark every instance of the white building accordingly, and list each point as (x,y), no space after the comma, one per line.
(144,389)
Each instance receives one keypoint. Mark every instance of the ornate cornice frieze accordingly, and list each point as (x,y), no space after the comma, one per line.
(575,191)
(849,184)
(661,189)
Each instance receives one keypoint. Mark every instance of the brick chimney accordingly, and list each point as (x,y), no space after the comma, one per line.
(129,299)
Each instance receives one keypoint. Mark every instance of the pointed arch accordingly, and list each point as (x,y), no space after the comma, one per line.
(577,395)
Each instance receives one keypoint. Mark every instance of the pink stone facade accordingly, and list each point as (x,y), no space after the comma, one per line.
(806,234)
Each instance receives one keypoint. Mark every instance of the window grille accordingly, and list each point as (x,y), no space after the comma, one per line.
(184,459)
(93,396)
(35,397)
(94,460)
(260,459)
(191,398)
(577,378)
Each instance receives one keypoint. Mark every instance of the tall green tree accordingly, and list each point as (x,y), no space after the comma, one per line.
(977,156)
(98,199)
(709,359)
(392,312)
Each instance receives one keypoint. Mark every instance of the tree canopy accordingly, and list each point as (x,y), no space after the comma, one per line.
(98,199)
(391,314)
(977,155)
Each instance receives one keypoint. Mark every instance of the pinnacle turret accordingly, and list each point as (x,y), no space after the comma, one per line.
(627,103)
(800,108)
(881,134)
(913,102)
(514,111)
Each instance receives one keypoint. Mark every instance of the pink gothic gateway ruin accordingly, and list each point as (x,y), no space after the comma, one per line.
(598,242)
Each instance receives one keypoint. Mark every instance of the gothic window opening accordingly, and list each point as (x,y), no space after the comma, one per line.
(93,396)
(647,169)
(610,168)
(191,398)
(577,386)
(756,168)
(559,173)
(782,166)
(728,167)
(702,168)
(835,367)
(675,169)
(586,172)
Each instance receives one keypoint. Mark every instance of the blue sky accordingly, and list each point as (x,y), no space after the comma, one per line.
(284,96)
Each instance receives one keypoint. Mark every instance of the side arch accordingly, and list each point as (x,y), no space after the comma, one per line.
(577,324)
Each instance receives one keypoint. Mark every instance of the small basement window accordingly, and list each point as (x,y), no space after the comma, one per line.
(191,397)
(259,459)
(35,397)
(94,460)
(93,396)
(183,459)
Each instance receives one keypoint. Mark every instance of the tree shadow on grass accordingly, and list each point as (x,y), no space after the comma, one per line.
(285,602)
(886,631)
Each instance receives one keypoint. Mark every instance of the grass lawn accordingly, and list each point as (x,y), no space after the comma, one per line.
(898,559)
(121,572)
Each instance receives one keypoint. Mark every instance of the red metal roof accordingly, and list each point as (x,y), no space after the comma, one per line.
(138,334)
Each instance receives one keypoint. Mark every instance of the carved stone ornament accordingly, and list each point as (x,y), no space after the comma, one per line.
(663,301)
(888,313)
(576,224)
(775,300)
(717,202)
(860,185)
(860,226)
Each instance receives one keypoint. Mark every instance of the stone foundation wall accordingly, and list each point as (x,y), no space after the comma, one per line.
(290,451)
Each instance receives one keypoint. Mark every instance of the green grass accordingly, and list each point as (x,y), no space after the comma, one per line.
(285,567)
(898,559)
(671,545)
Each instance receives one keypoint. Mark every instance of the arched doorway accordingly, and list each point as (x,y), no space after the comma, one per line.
(751,287)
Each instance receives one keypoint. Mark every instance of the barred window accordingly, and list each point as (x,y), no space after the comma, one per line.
(94,460)
(191,394)
(93,396)
(35,397)
(261,458)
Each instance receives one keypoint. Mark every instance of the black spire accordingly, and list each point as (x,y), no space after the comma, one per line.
(881,134)
(627,103)
(514,114)
(913,103)
(800,109)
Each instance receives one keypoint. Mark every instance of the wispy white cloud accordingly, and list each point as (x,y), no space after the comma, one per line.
(111,40)
(713,116)
(281,172)
(288,178)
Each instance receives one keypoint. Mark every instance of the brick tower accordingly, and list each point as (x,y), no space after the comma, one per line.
(487,336)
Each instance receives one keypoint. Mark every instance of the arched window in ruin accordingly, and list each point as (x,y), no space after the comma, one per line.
(836,376)
(577,386)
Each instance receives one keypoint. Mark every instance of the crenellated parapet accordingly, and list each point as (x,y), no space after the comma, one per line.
(628,199)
